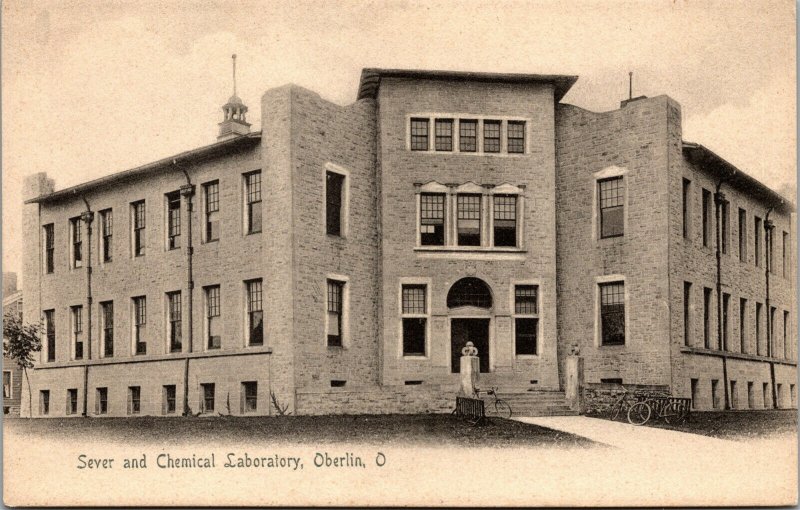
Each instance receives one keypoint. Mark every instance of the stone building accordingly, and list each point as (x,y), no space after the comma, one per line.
(12,374)
(338,260)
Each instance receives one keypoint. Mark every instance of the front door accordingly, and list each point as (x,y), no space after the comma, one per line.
(469,330)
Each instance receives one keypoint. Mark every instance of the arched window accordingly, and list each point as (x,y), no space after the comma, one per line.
(469,292)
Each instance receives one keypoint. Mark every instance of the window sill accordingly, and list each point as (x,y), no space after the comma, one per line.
(415,358)
(611,346)
(470,249)
(527,356)
(469,153)
(252,233)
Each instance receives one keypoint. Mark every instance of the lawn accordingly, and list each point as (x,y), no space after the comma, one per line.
(734,424)
(424,429)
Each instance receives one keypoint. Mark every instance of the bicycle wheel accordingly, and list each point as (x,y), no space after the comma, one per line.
(672,413)
(502,409)
(615,410)
(639,413)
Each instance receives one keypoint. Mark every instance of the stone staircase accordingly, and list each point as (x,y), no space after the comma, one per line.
(531,403)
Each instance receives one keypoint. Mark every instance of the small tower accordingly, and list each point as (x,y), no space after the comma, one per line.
(234,122)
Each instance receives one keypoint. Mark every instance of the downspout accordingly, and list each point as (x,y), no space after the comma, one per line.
(187,191)
(767,268)
(719,200)
(88,217)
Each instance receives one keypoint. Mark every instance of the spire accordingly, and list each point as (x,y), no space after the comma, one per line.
(234,122)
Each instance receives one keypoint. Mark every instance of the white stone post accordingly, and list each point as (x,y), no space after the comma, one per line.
(470,368)
(575,383)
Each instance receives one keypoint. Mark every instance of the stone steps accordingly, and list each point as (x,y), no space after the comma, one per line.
(534,403)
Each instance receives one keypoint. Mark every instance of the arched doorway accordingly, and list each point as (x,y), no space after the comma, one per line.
(469,303)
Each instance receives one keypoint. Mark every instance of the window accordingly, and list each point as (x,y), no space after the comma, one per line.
(707,318)
(785,251)
(168,399)
(50,333)
(693,384)
(101,401)
(785,338)
(444,134)
(767,399)
(469,220)
(249,397)
(72,401)
(49,248)
(715,393)
(76,229)
(505,220)
(432,219)
(526,319)
(726,301)
(734,396)
(419,134)
(335,311)
(334,186)
(469,292)
(414,312)
(687,303)
(751,400)
(724,208)
(255,314)
(757,237)
(687,186)
(612,209)
(612,313)
(742,235)
(134,399)
(516,137)
(213,326)
(140,325)
(207,398)
(107,318)
(758,329)
(7,384)
(76,313)
(768,235)
(174,314)
(468,135)
(107,231)
(771,332)
(44,402)
(253,200)
(793,395)
(742,325)
(138,228)
(211,193)
(779,403)
(706,217)
(173,220)
(491,136)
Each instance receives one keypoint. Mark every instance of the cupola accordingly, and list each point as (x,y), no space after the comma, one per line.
(234,122)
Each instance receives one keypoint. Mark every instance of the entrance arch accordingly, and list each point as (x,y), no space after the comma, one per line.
(469,291)
(469,302)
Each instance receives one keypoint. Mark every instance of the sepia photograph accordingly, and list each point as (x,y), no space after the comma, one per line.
(399,253)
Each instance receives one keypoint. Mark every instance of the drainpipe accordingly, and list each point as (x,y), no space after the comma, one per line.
(88,216)
(187,191)
(767,267)
(719,201)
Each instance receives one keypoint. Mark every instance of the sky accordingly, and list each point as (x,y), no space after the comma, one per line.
(91,88)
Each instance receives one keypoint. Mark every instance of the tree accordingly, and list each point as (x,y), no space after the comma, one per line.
(20,341)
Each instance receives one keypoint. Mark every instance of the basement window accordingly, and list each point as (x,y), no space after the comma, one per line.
(338,384)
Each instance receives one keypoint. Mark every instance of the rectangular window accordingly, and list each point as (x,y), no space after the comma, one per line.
(174,314)
(785,251)
(211,193)
(76,313)
(612,207)
(758,329)
(72,401)
(50,333)
(168,393)
(138,212)
(785,338)
(707,318)
(44,402)
(726,301)
(107,318)
(213,326)
(255,313)
(724,209)
(207,398)
(706,217)
(101,401)
(249,397)
(516,137)
(734,396)
(134,399)
(767,400)
(334,186)
(253,200)
(140,325)
(612,313)
(687,304)
(444,134)
(49,248)
(715,400)
(693,385)
(419,134)
(505,220)
(469,219)
(526,319)
(335,311)
(757,237)
(432,215)
(468,135)
(76,228)
(7,384)
(771,332)
(779,402)
(768,235)
(687,186)
(491,136)
(107,231)
(414,311)
(173,220)
(751,399)
(742,235)
(742,325)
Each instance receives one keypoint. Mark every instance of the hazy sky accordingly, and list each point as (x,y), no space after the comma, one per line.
(91,89)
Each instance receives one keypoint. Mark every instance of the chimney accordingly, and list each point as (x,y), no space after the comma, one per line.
(234,122)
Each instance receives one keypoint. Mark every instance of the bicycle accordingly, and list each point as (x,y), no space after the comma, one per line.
(623,403)
(501,407)
(670,410)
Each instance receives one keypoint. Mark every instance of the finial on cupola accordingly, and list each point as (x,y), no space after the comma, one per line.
(234,122)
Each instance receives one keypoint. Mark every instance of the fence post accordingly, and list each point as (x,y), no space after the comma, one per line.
(575,383)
